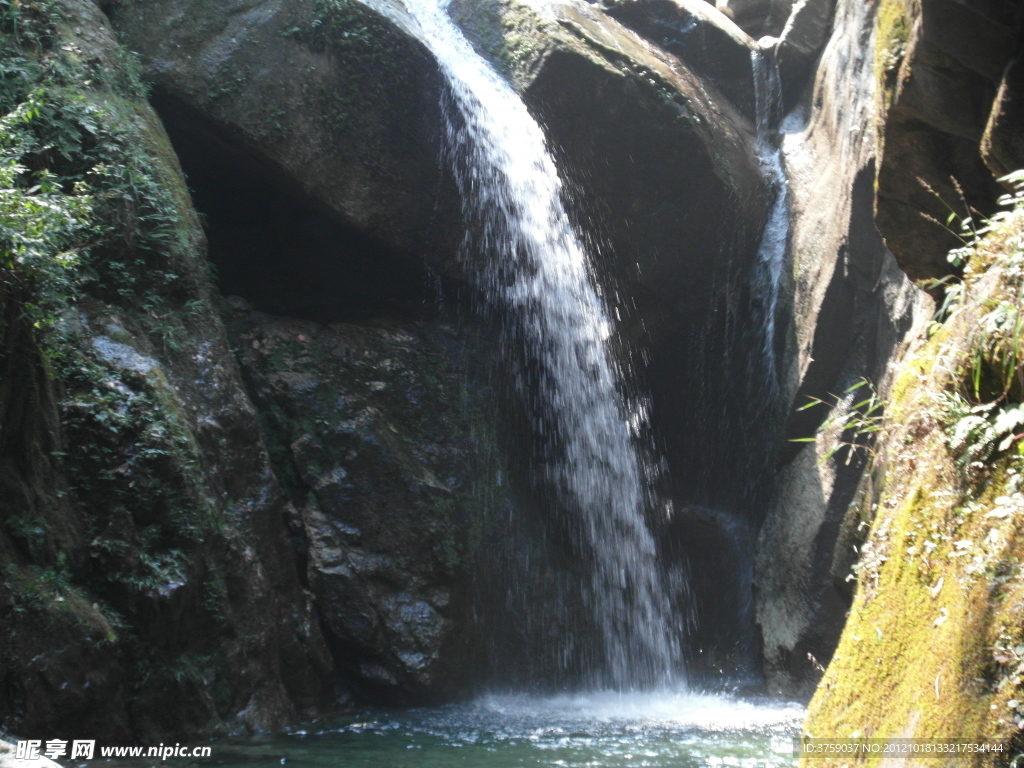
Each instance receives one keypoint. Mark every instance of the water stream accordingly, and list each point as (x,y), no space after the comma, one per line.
(531,263)
(771,255)
(527,258)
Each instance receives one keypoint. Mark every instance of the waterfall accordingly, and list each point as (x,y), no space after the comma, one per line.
(771,253)
(530,262)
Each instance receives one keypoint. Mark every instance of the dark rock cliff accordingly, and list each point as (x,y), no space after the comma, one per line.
(386,447)
(224,514)
(663,170)
(176,560)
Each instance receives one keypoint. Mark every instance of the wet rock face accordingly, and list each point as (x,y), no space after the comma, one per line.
(385,458)
(665,179)
(758,18)
(657,151)
(699,35)
(345,105)
(801,40)
(853,310)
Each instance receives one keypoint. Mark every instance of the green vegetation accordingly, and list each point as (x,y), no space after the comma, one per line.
(85,216)
(364,45)
(83,208)
(934,646)
(892,35)
(850,426)
(102,287)
(984,412)
(511,35)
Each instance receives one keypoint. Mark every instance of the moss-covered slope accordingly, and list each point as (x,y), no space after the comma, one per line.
(934,646)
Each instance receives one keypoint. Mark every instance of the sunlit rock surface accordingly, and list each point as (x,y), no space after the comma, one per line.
(852,308)
(939,65)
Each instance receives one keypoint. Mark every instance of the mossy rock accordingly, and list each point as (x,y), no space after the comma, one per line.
(133,440)
(933,647)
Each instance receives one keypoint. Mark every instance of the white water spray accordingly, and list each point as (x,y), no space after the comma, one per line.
(538,270)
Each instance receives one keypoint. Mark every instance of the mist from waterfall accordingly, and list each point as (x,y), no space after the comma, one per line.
(528,260)
(771,254)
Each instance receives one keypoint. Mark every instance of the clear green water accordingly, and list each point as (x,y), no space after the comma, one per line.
(602,730)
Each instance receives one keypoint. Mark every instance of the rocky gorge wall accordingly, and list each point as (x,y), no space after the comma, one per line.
(142,539)
(930,648)
(163,539)
(852,310)
(650,109)
(636,129)
(232,500)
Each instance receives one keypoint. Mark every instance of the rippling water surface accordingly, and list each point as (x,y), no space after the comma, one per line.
(604,730)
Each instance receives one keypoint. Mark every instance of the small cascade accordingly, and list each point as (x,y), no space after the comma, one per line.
(771,254)
(531,263)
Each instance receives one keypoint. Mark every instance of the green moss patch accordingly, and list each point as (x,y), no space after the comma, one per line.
(934,646)
(892,36)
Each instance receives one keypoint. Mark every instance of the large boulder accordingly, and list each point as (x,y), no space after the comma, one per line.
(663,162)
(701,36)
(394,481)
(753,15)
(648,143)
(333,97)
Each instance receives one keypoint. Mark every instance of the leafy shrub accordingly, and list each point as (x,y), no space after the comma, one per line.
(853,425)
(983,412)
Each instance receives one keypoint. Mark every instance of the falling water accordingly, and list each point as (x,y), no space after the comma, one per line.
(537,269)
(771,254)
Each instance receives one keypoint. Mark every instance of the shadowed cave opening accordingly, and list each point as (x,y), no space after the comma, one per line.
(278,248)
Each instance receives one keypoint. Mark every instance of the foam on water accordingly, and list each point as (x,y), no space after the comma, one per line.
(666,708)
(661,729)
